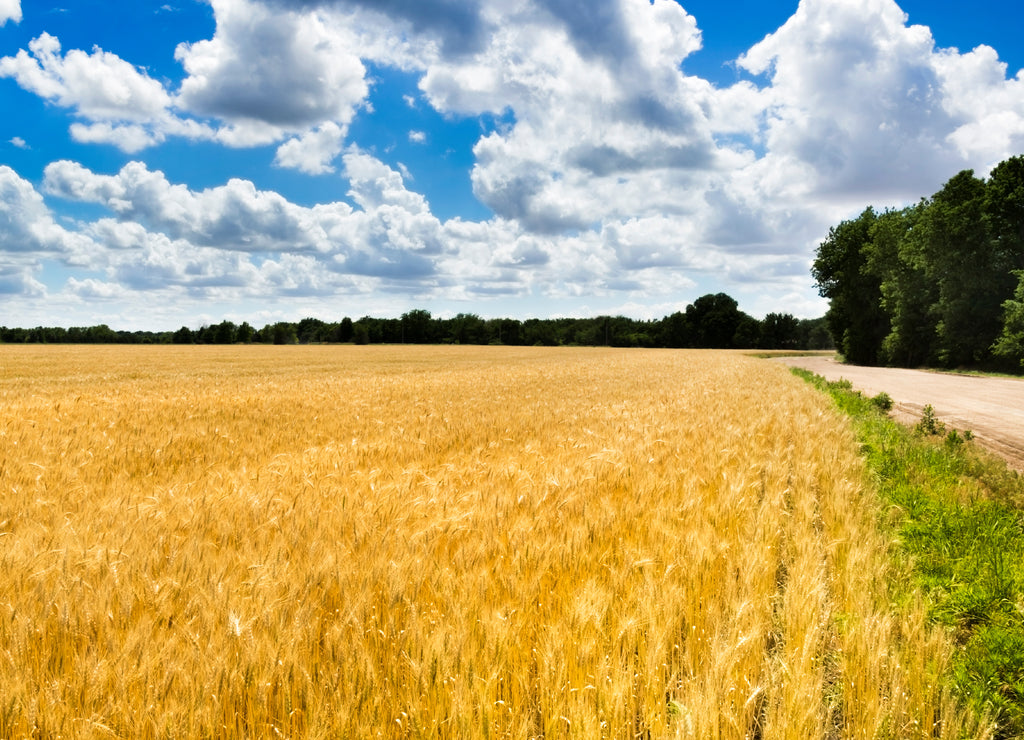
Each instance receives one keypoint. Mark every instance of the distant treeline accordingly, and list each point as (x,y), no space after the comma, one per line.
(712,321)
(940,283)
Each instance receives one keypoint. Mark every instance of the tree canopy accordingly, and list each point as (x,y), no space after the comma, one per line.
(937,283)
(711,321)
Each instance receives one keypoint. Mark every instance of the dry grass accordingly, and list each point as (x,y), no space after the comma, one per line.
(362,542)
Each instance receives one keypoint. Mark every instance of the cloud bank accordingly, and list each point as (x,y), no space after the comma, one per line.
(615,174)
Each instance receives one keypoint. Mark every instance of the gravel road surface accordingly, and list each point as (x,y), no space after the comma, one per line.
(991,408)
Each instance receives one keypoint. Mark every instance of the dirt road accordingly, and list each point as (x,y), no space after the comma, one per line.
(991,408)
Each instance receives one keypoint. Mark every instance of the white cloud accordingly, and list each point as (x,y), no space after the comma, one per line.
(313,152)
(392,235)
(10,10)
(29,234)
(91,289)
(122,105)
(100,86)
(235,216)
(19,280)
(130,138)
(863,100)
(268,73)
(376,186)
(606,125)
(612,173)
(989,106)
(18,142)
(26,224)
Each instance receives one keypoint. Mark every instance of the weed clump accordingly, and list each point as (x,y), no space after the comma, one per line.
(883,401)
(929,425)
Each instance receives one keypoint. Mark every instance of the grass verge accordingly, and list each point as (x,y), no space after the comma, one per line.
(958,518)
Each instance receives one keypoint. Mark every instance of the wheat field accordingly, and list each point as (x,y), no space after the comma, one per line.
(428,542)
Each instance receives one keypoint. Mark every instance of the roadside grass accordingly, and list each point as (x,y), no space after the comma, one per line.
(764,354)
(958,517)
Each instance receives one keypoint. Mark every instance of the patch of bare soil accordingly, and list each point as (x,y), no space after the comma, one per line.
(991,408)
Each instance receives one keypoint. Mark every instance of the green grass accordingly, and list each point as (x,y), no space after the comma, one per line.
(958,517)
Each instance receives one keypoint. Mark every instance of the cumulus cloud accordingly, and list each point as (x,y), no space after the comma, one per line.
(91,289)
(304,74)
(28,234)
(869,107)
(458,25)
(612,171)
(235,216)
(392,234)
(122,104)
(988,107)
(27,226)
(314,151)
(99,85)
(605,122)
(10,10)
(264,76)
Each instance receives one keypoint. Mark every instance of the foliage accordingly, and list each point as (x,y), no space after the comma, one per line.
(1010,344)
(712,321)
(929,424)
(893,254)
(959,519)
(855,316)
(932,284)
(883,401)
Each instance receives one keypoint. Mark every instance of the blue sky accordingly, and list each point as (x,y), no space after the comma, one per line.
(181,162)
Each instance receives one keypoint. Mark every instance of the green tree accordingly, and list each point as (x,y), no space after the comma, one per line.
(538,332)
(345,330)
(675,331)
(245,333)
(504,331)
(468,328)
(961,261)
(855,315)
(310,331)
(224,333)
(748,332)
(780,331)
(284,332)
(895,255)
(417,327)
(1004,213)
(714,320)
(1010,344)
(814,334)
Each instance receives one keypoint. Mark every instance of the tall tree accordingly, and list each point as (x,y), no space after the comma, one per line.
(714,319)
(895,256)
(780,331)
(245,333)
(961,261)
(855,315)
(1004,213)
(417,327)
(675,331)
(1010,344)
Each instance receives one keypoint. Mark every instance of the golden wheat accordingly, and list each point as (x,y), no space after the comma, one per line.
(438,542)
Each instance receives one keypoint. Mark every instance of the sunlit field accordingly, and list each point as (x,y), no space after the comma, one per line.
(489,542)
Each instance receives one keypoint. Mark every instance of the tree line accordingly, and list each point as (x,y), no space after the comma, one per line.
(938,284)
(711,321)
